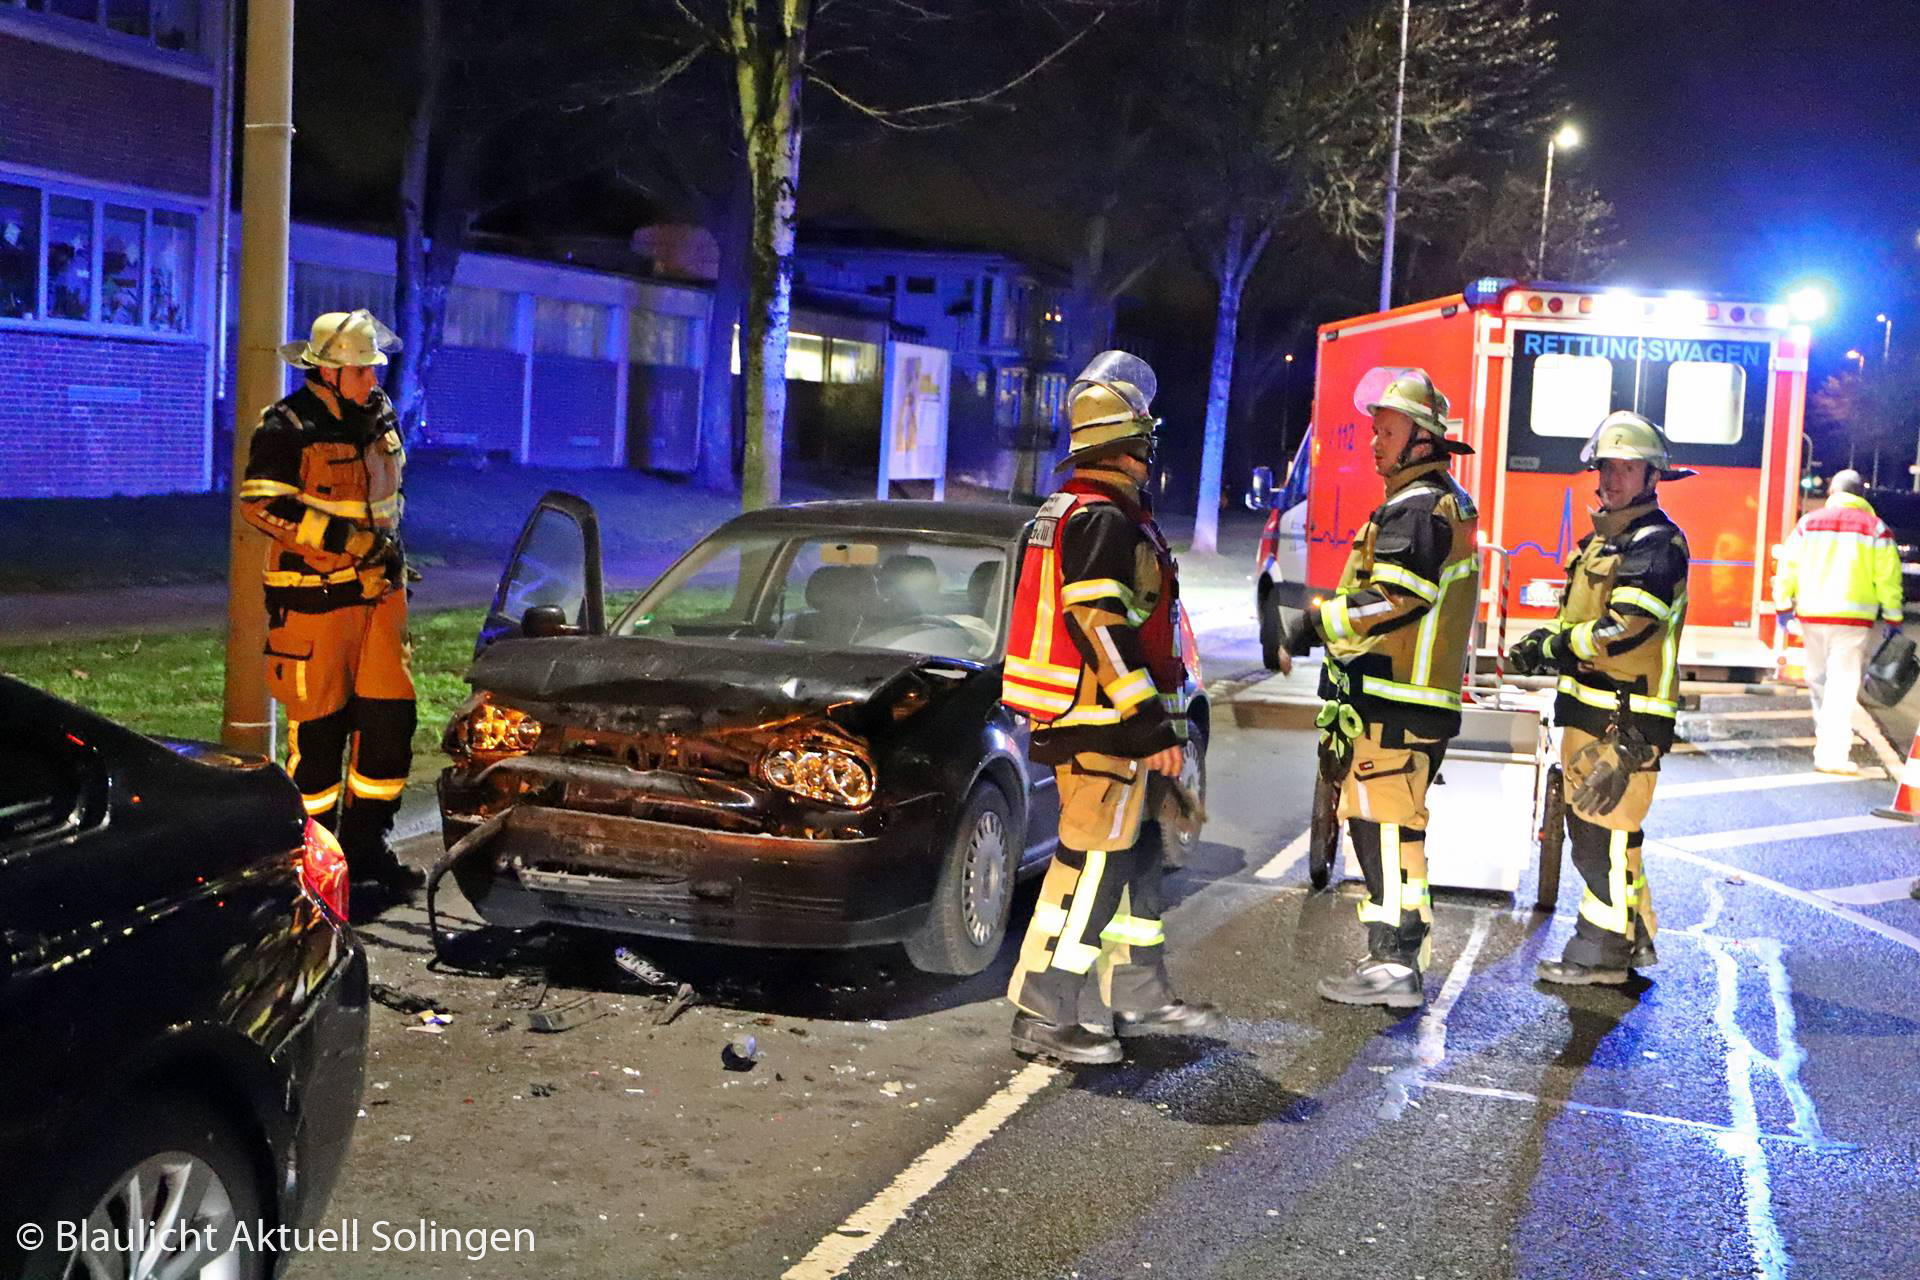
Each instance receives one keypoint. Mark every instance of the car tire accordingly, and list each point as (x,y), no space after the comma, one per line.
(1553,840)
(171,1143)
(974,896)
(1267,606)
(1175,852)
(1323,837)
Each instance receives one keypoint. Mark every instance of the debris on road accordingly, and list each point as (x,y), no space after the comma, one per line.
(740,1053)
(564,1017)
(682,999)
(406,1002)
(542,1089)
(641,967)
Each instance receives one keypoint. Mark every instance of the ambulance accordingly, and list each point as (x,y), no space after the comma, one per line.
(1530,370)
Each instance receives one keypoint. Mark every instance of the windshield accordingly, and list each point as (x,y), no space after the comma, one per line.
(877,589)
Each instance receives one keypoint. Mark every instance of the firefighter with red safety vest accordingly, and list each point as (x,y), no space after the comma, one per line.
(1093,659)
(323,481)
(1396,631)
(1614,647)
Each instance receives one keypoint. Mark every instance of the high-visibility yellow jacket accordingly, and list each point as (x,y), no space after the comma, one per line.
(1840,566)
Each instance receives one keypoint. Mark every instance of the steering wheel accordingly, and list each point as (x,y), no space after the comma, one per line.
(887,635)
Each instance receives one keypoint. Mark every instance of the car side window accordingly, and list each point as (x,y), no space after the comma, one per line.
(43,791)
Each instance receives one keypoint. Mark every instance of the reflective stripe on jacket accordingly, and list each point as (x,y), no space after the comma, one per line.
(1397,627)
(1621,618)
(1840,565)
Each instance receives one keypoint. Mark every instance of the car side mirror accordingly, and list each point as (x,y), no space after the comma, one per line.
(1260,491)
(547,620)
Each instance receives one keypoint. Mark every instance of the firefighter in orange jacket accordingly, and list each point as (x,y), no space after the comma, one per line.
(1093,658)
(323,481)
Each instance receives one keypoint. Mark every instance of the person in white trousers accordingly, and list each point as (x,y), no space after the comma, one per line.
(1840,574)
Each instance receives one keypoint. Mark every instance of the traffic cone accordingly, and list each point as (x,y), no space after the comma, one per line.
(1906,790)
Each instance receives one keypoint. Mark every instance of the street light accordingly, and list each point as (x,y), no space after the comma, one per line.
(1886,343)
(1286,399)
(1859,360)
(1567,138)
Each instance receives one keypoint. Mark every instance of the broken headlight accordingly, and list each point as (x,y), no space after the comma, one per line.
(489,730)
(820,771)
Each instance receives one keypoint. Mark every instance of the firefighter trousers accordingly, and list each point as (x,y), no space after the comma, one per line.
(1383,800)
(345,678)
(1616,909)
(1098,918)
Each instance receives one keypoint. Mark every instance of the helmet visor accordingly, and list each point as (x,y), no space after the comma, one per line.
(1127,375)
(358,335)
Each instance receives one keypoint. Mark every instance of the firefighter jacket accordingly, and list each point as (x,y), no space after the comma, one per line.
(1840,566)
(1093,649)
(1397,627)
(1618,629)
(312,482)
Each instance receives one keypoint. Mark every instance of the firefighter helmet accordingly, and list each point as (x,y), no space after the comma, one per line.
(1848,481)
(1109,406)
(1625,434)
(1413,394)
(341,339)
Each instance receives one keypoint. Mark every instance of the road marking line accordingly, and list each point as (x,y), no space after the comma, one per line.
(1282,862)
(1741,837)
(1804,713)
(1740,744)
(1618,1113)
(1759,782)
(1869,728)
(869,1223)
(1430,1049)
(1868,895)
(1899,937)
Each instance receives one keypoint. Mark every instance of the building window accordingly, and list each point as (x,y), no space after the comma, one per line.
(19,252)
(661,338)
(69,258)
(170,259)
(122,258)
(850,362)
(569,329)
(170,24)
(1051,399)
(318,290)
(806,357)
(478,318)
(1010,390)
(1011,320)
(919,284)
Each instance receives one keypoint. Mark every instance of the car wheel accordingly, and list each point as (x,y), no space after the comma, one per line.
(1323,840)
(169,1172)
(974,897)
(1176,849)
(1553,839)
(1267,606)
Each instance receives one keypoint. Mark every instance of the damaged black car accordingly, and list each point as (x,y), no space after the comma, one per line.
(792,739)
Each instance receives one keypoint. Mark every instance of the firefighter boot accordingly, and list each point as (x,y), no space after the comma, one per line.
(370,860)
(1388,975)
(1071,1042)
(1602,950)
(1180,1018)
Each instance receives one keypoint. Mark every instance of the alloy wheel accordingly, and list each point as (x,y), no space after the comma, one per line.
(169,1216)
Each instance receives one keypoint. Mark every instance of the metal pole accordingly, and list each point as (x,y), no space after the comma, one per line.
(1886,344)
(1393,164)
(1546,196)
(266,159)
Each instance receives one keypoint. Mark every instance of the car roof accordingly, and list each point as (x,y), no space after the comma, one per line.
(998,520)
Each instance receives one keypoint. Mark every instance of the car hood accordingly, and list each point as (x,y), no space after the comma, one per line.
(696,683)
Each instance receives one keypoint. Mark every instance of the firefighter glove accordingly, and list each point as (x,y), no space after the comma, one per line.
(1610,764)
(1529,654)
(1297,637)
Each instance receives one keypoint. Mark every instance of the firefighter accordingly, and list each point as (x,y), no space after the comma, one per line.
(1840,574)
(1396,631)
(1094,660)
(323,482)
(1614,646)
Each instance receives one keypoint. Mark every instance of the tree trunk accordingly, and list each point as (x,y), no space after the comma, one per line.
(770,79)
(1237,259)
(408,382)
(731,227)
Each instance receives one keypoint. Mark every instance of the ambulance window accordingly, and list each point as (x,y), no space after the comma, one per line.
(1705,402)
(1570,394)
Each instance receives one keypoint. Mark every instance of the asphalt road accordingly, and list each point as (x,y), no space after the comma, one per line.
(1746,1111)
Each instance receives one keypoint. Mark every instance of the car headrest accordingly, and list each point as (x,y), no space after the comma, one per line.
(983,584)
(840,587)
(909,579)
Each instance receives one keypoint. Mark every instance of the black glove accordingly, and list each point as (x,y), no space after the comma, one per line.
(1610,763)
(1528,656)
(1297,636)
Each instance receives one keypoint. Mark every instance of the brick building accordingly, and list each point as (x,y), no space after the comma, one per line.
(110,165)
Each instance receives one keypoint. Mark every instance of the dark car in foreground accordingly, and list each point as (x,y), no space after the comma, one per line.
(792,739)
(183,1004)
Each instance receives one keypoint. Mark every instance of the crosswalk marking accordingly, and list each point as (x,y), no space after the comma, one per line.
(1741,744)
(1617,1113)
(1282,862)
(1741,837)
(1759,782)
(1868,895)
(1804,713)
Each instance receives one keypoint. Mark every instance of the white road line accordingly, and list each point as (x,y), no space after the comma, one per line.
(1430,1049)
(1741,744)
(1741,837)
(1869,728)
(1282,862)
(1804,713)
(868,1224)
(1899,937)
(1758,782)
(1868,895)
(1619,1113)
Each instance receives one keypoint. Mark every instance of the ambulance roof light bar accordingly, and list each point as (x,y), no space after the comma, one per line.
(1556,299)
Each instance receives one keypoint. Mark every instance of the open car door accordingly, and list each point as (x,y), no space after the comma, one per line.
(555,568)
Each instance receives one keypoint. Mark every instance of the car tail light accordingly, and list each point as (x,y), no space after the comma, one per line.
(323,869)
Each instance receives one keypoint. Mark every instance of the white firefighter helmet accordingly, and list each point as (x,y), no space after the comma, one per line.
(1626,435)
(341,339)
(1110,404)
(1411,392)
